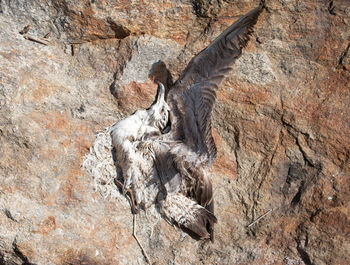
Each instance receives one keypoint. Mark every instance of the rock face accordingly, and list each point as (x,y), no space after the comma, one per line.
(281,125)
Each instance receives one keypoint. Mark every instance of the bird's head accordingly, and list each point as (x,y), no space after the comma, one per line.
(159,111)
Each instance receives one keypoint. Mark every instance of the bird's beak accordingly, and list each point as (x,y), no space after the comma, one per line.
(160,94)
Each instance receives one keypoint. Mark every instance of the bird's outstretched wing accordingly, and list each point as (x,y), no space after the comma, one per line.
(181,163)
(193,95)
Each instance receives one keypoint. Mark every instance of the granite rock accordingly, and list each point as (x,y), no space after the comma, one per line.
(281,126)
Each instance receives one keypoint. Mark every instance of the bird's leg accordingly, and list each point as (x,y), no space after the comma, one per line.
(137,240)
(134,207)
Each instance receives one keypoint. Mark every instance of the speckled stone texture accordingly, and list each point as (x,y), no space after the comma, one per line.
(281,125)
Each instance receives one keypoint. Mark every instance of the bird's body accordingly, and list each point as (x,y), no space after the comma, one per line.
(176,163)
(130,137)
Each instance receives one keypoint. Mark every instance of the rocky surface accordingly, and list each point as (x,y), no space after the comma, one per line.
(281,125)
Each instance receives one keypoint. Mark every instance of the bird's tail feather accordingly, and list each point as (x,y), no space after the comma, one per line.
(188,214)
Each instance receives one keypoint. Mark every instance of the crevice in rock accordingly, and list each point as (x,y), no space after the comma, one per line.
(314,214)
(97,38)
(304,256)
(200,9)
(236,137)
(345,161)
(261,177)
(295,172)
(293,186)
(343,56)
(331,8)
(82,26)
(19,254)
(120,31)
(302,151)
(297,197)
(2,259)
(244,204)
(302,178)
(207,9)
(289,126)
(9,215)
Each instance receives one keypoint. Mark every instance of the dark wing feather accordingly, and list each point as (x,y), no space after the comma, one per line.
(194,93)
(181,163)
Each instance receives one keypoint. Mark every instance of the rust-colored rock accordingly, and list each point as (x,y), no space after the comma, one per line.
(281,125)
